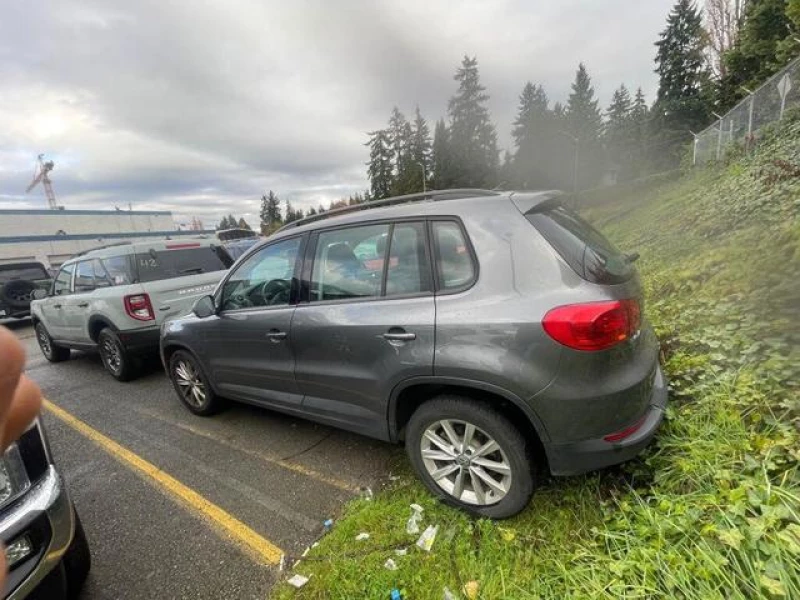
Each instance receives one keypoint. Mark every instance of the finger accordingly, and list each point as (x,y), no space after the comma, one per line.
(12,361)
(24,409)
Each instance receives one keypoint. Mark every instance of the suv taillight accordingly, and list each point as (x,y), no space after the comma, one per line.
(138,307)
(595,325)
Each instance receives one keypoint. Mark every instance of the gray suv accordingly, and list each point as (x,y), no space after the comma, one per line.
(498,335)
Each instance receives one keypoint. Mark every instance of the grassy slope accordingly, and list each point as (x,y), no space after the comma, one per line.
(712,510)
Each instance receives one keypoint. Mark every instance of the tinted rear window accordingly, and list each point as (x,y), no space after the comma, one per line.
(180,262)
(30,273)
(584,248)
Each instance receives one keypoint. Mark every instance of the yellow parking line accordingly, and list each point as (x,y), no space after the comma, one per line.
(259,547)
(291,466)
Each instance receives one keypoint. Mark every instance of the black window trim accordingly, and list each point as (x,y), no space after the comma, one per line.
(311,249)
(435,253)
(295,286)
(71,279)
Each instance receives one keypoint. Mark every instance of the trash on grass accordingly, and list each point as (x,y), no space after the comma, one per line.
(327,524)
(298,581)
(401,551)
(471,590)
(394,477)
(282,564)
(390,564)
(448,595)
(425,541)
(366,493)
(362,536)
(395,595)
(412,526)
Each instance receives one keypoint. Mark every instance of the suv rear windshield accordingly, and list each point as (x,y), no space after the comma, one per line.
(180,262)
(27,272)
(584,248)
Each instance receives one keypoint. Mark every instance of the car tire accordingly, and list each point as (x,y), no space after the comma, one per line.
(50,350)
(116,359)
(191,384)
(77,561)
(508,463)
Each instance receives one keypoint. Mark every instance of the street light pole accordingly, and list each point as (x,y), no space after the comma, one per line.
(424,178)
(750,112)
(575,162)
(719,136)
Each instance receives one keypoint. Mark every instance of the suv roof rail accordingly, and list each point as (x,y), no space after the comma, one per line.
(432,195)
(103,247)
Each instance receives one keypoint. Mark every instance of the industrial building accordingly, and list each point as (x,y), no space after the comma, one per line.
(52,236)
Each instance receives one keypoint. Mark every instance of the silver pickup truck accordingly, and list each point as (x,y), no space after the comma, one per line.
(114,299)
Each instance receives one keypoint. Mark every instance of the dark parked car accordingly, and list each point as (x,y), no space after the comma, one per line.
(46,550)
(18,282)
(498,335)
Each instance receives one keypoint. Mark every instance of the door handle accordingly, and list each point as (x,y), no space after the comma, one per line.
(165,307)
(399,336)
(83,304)
(274,335)
(56,306)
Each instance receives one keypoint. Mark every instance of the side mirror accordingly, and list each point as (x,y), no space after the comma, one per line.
(204,307)
(38,294)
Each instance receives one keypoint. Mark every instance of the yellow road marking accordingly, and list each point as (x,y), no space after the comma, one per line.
(291,466)
(257,546)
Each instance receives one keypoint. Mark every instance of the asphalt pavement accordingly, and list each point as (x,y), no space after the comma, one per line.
(277,476)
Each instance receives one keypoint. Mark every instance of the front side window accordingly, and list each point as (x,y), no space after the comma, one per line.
(62,280)
(264,279)
(84,277)
(453,260)
(348,263)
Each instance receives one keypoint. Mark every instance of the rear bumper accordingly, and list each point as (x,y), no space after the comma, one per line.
(587,455)
(140,340)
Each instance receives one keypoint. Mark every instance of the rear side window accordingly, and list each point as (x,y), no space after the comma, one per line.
(454,264)
(116,270)
(584,248)
(180,262)
(84,277)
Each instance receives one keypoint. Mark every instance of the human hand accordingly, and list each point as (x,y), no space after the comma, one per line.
(20,401)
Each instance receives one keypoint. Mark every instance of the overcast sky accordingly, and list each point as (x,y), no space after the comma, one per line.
(199,106)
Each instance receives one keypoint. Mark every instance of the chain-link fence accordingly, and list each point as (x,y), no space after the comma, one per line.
(766,104)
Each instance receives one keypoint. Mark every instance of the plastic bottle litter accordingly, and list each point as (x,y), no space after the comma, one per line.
(298,581)
(362,536)
(401,551)
(412,526)
(396,595)
(425,541)
(282,564)
(327,524)
(390,564)
(448,595)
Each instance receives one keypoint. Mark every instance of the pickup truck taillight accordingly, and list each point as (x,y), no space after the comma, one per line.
(138,307)
(593,326)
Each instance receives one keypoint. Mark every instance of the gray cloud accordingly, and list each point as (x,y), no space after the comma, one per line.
(200,107)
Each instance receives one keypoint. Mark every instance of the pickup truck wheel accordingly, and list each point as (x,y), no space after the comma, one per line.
(17,293)
(116,360)
(51,351)
(471,457)
(191,384)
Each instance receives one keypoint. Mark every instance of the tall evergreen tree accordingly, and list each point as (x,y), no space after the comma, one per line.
(242,224)
(790,46)
(682,103)
(270,213)
(639,123)
(584,121)
(421,149)
(405,179)
(311,212)
(754,56)
(442,178)
(380,166)
(618,132)
(533,131)
(472,136)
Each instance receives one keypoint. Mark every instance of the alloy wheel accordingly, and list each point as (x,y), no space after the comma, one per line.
(112,355)
(466,462)
(44,343)
(189,383)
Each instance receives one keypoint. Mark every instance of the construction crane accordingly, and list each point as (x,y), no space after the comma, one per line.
(41,174)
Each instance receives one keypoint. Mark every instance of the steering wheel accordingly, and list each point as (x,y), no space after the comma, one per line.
(273,292)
